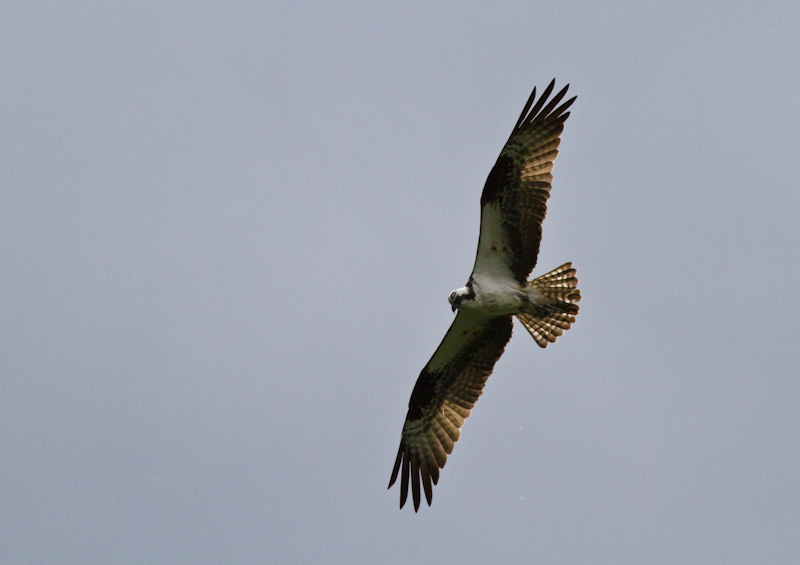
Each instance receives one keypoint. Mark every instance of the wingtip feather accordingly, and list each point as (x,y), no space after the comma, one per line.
(427,486)
(415,485)
(525,108)
(535,110)
(404,483)
(396,468)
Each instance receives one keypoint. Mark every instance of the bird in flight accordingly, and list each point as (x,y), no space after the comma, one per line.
(513,205)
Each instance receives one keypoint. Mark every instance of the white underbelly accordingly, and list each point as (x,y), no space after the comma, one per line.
(497,298)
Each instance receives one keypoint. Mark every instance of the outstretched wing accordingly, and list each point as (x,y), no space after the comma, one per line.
(514,199)
(443,397)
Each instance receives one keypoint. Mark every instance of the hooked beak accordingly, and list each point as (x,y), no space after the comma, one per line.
(454,306)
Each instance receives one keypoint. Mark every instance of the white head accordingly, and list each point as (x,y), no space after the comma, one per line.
(458,295)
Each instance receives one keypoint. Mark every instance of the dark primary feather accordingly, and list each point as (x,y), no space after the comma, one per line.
(445,392)
(519,182)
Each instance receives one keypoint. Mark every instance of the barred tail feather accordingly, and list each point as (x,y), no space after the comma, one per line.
(561,286)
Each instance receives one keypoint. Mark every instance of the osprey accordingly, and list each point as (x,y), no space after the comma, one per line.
(513,205)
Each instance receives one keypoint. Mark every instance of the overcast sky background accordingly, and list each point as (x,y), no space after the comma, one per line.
(228,234)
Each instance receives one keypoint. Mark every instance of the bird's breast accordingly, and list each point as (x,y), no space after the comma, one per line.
(495,297)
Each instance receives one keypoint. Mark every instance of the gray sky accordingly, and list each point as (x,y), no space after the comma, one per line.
(229,233)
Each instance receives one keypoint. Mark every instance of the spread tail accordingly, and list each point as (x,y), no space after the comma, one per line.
(560,286)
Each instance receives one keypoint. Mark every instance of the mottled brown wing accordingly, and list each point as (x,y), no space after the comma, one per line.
(514,199)
(445,392)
